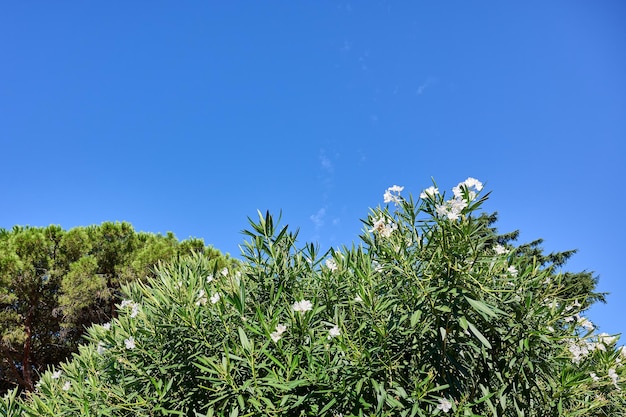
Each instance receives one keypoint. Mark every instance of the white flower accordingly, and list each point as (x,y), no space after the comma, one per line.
(100,348)
(579,349)
(130,343)
(383,228)
(134,311)
(550,329)
(126,303)
(451,209)
(57,374)
(584,322)
(278,334)
(209,278)
(107,326)
(388,197)
(333,332)
(473,183)
(377,266)
(500,250)
(512,270)
(331,264)
(429,192)
(302,306)
(215,298)
(605,339)
(66,386)
(614,377)
(594,376)
(444,405)
(201,298)
(224,271)
(358,299)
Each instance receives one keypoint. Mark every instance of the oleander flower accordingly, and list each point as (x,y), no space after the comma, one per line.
(130,343)
(389,197)
(201,298)
(278,334)
(500,250)
(333,332)
(215,298)
(614,377)
(430,192)
(383,227)
(444,405)
(331,264)
(302,306)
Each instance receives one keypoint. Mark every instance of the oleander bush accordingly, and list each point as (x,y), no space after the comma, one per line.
(432,313)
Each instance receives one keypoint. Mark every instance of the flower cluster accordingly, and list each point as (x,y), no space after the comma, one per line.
(133,306)
(393,194)
(331,264)
(430,192)
(333,332)
(302,306)
(278,333)
(464,192)
(383,227)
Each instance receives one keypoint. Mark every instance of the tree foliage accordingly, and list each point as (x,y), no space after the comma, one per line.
(56,283)
(432,313)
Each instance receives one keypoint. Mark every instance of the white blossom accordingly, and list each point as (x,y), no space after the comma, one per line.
(594,376)
(358,299)
(215,298)
(429,192)
(389,197)
(331,264)
(333,332)
(130,343)
(500,250)
(201,298)
(444,405)
(302,306)
(451,209)
(383,227)
(586,323)
(278,334)
(107,326)
(224,271)
(209,278)
(66,386)
(512,270)
(614,377)
(57,374)
(100,348)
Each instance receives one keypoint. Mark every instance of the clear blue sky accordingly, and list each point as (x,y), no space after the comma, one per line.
(190,116)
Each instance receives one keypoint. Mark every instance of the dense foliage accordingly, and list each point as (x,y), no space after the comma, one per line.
(433,313)
(55,283)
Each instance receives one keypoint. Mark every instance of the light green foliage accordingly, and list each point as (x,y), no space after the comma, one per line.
(55,283)
(432,314)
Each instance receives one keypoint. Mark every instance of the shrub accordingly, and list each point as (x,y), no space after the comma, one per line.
(432,313)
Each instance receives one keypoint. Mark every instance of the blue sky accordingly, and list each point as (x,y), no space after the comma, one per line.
(189,117)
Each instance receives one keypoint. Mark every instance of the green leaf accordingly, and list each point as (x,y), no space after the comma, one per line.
(479,335)
(481,307)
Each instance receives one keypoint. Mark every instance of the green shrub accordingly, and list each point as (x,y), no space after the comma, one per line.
(433,313)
